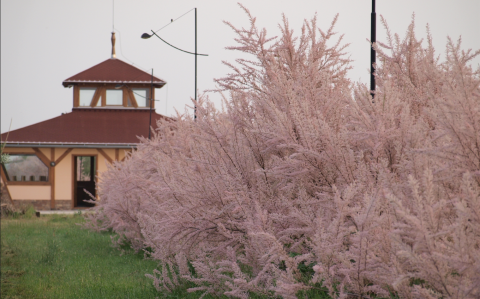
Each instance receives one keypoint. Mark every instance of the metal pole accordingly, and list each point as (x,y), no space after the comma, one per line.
(151,101)
(373,38)
(195,112)
(147,36)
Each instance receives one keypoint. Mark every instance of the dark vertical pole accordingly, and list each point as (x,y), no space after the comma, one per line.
(92,175)
(195,112)
(373,38)
(151,101)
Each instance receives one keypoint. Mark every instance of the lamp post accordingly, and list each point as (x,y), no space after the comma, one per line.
(147,36)
(151,102)
(373,39)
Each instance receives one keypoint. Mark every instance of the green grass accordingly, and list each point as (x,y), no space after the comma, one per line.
(52,257)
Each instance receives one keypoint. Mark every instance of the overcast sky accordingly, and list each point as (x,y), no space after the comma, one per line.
(45,42)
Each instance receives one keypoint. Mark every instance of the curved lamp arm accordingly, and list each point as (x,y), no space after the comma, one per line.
(147,36)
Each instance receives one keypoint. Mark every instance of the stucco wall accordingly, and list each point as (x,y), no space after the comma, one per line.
(19,192)
(63,175)
(46,151)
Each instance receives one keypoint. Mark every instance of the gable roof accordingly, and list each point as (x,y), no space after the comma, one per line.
(114,127)
(113,70)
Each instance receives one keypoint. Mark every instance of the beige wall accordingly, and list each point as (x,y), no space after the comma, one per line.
(46,152)
(63,173)
(29,192)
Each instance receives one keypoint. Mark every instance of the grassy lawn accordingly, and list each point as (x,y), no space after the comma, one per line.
(52,257)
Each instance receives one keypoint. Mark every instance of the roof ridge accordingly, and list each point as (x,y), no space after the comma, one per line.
(86,69)
(131,65)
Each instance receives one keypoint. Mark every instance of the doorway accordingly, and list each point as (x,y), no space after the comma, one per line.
(85,169)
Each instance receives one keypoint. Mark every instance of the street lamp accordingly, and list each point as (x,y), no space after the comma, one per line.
(147,36)
(373,39)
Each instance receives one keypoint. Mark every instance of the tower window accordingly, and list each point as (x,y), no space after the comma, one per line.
(114,97)
(141,96)
(86,96)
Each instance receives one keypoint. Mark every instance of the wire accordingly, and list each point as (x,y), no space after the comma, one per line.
(131,62)
(174,20)
(120,37)
(176,47)
(140,94)
(126,58)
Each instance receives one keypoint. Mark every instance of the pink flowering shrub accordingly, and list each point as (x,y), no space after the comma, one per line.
(302,179)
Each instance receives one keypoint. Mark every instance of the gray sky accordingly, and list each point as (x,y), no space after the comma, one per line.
(45,42)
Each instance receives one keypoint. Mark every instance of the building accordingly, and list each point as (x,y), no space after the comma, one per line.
(52,162)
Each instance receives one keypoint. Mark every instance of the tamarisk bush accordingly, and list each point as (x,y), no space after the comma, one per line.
(302,180)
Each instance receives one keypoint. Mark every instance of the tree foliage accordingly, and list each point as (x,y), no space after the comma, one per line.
(302,178)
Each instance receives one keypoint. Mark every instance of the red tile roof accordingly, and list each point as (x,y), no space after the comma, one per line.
(88,125)
(113,71)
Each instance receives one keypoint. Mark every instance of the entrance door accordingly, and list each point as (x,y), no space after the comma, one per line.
(84,179)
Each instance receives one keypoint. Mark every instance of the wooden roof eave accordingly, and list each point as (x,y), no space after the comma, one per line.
(70,145)
(68,84)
